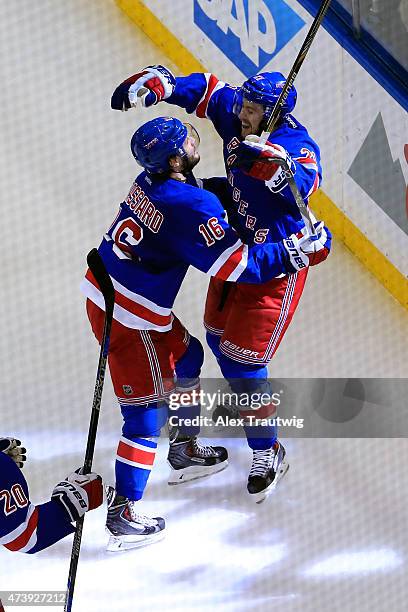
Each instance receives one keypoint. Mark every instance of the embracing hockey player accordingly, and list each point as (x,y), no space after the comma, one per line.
(166,224)
(28,528)
(263,211)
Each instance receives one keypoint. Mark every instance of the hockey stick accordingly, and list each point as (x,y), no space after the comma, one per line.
(296,67)
(303,209)
(104,281)
(279,105)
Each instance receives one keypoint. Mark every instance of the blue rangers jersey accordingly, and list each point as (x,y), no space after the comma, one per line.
(25,527)
(162,228)
(260,212)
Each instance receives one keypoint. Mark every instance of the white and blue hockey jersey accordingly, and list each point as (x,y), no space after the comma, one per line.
(259,212)
(162,228)
(25,527)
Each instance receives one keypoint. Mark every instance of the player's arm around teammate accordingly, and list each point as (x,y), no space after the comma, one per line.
(239,114)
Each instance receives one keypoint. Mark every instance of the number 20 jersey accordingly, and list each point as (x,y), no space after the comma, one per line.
(25,527)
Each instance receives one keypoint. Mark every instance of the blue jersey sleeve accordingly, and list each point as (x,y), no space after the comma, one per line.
(53,525)
(305,156)
(25,527)
(205,240)
(207,97)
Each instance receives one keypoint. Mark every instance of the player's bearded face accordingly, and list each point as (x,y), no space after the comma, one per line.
(191,146)
(251,116)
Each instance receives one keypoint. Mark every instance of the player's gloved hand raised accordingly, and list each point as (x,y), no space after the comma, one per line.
(308,250)
(150,86)
(13,448)
(262,160)
(79,493)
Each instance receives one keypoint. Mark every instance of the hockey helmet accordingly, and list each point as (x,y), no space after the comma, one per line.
(156,141)
(265,88)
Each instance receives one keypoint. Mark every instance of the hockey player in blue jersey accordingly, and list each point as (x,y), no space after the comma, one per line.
(165,224)
(29,528)
(262,209)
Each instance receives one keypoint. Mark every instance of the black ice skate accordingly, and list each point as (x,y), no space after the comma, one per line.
(189,460)
(128,528)
(268,467)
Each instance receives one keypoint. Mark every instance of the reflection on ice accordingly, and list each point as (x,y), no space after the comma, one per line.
(354,563)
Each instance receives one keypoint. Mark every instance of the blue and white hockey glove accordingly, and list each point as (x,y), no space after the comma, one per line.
(262,160)
(308,250)
(13,448)
(150,86)
(79,493)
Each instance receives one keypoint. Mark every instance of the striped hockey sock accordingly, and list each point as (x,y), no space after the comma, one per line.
(134,461)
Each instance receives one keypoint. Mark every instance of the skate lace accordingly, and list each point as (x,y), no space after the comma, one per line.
(138,517)
(202,450)
(261,462)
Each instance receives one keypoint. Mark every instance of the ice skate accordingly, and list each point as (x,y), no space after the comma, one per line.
(128,528)
(268,467)
(189,460)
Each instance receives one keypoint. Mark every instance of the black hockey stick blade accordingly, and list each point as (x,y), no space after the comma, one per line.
(104,281)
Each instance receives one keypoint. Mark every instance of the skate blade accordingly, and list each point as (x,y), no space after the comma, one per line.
(193,473)
(117,544)
(260,497)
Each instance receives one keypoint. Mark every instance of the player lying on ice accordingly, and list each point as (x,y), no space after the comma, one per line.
(166,224)
(28,528)
(262,209)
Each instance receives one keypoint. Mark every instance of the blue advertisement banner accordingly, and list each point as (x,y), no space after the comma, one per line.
(249,32)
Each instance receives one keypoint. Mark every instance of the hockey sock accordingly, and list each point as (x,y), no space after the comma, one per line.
(137,447)
(134,461)
(254,391)
(213,342)
(184,410)
(186,419)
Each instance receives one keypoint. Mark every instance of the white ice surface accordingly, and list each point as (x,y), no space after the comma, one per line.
(334,535)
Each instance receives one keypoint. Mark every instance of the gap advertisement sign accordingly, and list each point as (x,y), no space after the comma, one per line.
(249,32)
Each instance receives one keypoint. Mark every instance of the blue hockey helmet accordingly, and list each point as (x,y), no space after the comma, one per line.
(156,141)
(265,89)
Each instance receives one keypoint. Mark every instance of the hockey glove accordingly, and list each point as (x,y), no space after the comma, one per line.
(308,250)
(262,160)
(13,448)
(78,494)
(153,84)
(317,248)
